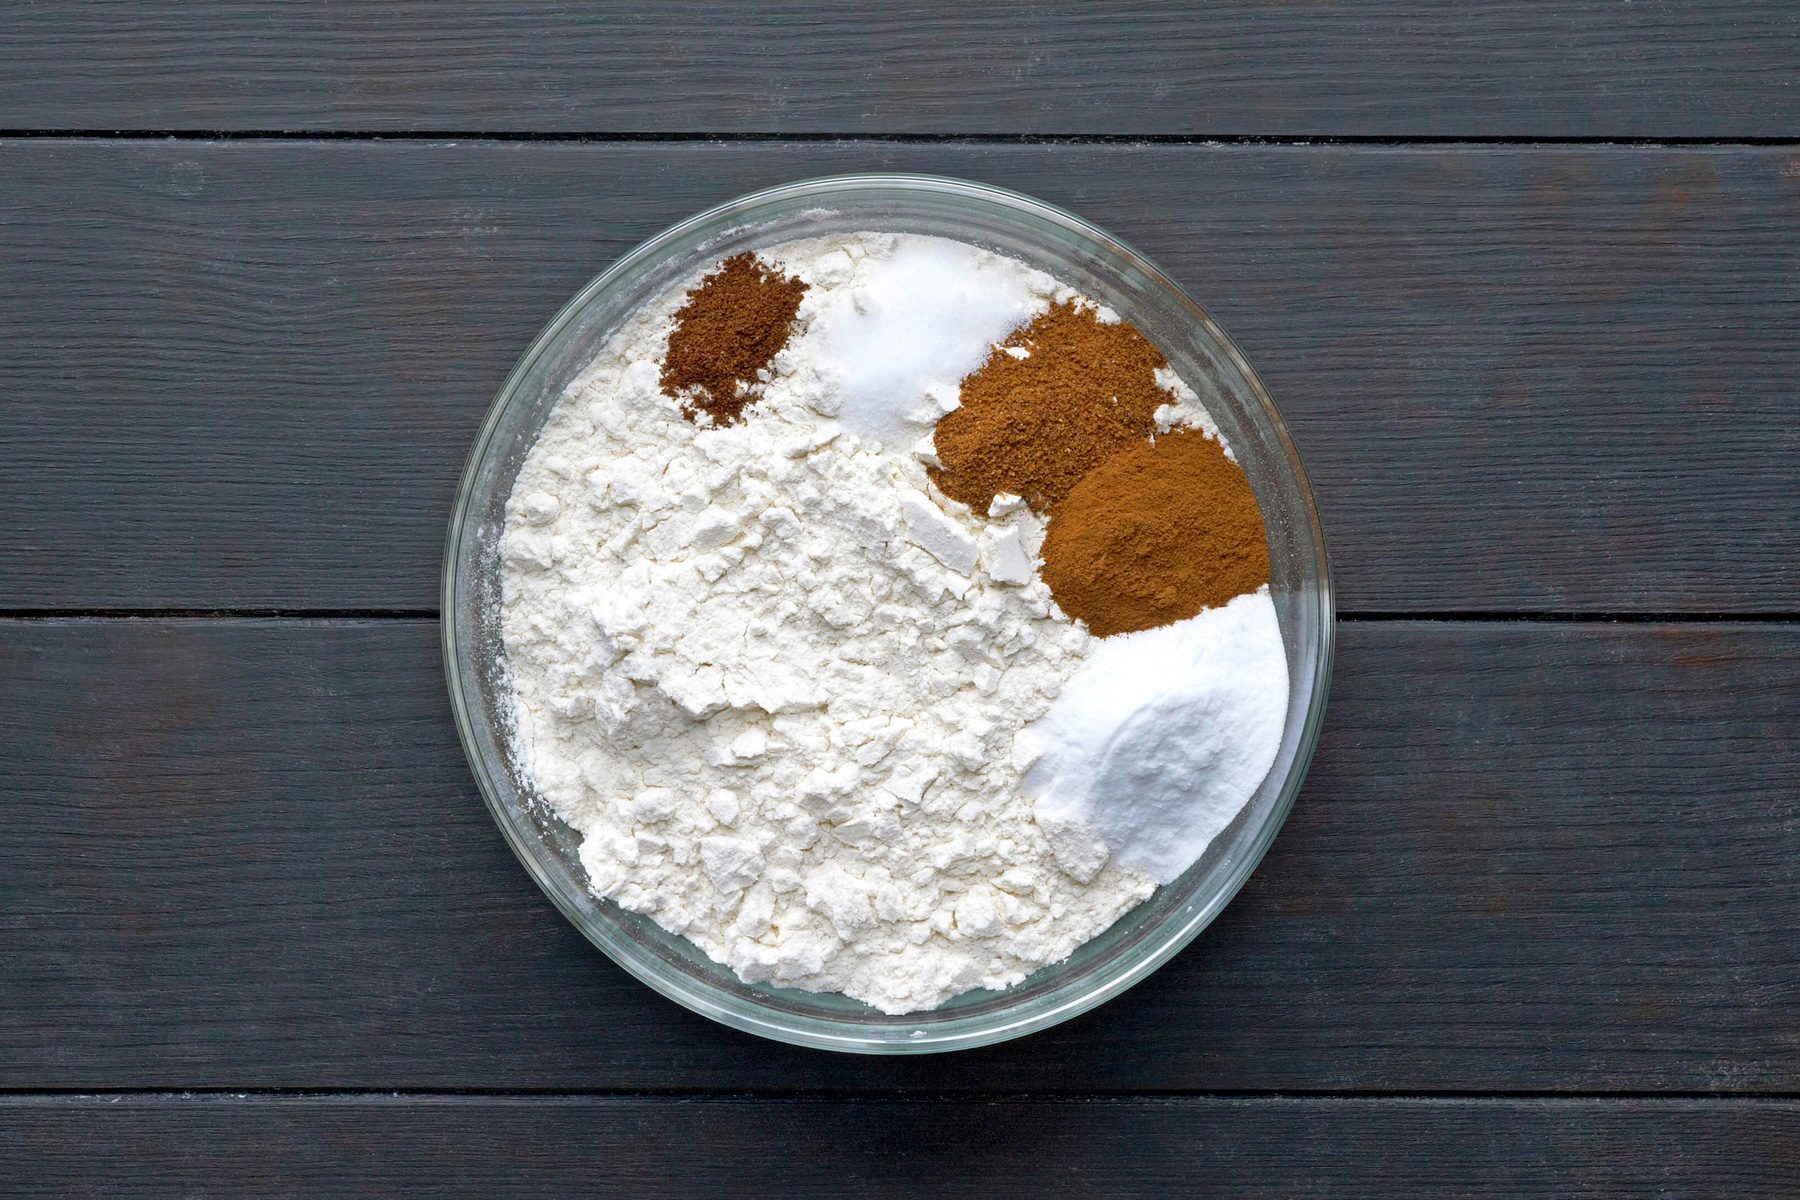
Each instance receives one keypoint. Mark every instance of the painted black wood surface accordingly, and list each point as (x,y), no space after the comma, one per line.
(1591,68)
(1530,857)
(1501,1149)
(1525,280)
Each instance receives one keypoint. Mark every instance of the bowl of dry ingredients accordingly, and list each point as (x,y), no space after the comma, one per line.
(885,614)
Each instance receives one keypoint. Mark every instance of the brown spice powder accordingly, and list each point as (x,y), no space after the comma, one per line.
(1034,426)
(1153,535)
(730,328)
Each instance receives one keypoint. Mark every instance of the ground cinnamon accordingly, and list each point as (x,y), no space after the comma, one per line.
(1033,425)
(1154,534)
(728,330)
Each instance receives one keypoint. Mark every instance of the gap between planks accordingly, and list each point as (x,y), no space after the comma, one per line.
(1376,616)
(604,137)
(10,1096)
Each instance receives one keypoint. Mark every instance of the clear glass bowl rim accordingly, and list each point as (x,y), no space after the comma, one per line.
(896,1036)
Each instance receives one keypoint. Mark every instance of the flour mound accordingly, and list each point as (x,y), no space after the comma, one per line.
(774,680)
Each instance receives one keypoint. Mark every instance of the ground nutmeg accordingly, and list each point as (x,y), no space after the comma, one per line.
(727,332)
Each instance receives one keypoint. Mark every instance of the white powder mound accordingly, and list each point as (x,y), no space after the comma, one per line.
(774,680)
(1162,737)
(899,321)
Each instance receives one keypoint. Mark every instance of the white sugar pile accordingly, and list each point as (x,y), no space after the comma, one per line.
(897,331)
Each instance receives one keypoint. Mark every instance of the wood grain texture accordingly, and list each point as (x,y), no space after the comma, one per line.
(1585,69)
(1123,1148)
(1553,379)
(1530,856)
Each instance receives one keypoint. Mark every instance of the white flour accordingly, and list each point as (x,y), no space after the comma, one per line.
(774,685)
(774,680)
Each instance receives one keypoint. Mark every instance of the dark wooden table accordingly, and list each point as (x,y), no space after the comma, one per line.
(1526,281)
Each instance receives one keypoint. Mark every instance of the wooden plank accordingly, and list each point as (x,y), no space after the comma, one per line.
(1584,69)
(741,1146)
(1531,857)
(246,374)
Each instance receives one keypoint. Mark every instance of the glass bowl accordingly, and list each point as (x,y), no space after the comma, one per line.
(1073,251)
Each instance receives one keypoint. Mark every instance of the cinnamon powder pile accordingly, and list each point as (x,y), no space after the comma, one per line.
(1034,426)
(1153,535)
(727,332)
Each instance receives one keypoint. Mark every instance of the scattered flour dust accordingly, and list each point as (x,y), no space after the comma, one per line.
(775,682)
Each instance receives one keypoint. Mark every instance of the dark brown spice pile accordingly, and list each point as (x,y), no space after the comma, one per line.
(730,328)
(1034,426)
